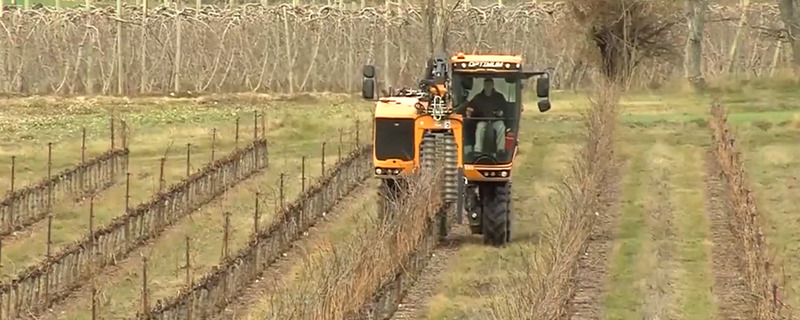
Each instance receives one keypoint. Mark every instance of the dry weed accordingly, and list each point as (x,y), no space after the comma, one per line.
(344,277)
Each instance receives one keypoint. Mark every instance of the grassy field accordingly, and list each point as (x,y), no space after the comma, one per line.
(660,264)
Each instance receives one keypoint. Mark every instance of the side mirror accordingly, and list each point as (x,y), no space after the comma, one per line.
(368,83)
(544,105)
(368,89)
(543,87)
(368,71)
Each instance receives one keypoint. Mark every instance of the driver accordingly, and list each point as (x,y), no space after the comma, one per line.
(489,103)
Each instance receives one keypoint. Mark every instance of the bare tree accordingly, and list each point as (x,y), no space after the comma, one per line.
(792,22)
(626,33)
(695,17)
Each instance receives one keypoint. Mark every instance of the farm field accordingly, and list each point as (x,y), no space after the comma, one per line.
(137,185)
(666,245)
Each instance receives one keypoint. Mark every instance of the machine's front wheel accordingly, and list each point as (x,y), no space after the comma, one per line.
(474,209)
(496,220)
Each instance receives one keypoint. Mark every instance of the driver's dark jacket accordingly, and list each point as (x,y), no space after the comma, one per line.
(485,106)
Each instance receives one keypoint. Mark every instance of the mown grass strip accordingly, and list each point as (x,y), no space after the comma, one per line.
(694,250)
(622,299)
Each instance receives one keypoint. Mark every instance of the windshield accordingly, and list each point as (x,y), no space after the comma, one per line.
(490,105)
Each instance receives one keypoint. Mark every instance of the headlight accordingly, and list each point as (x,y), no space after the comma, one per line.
(378,171)
(504,174)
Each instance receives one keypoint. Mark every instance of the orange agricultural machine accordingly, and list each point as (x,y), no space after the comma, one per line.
(464,114)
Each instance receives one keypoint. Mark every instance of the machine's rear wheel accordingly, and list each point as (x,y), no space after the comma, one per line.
(496,220)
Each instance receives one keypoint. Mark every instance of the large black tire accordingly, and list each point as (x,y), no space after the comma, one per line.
(496,220)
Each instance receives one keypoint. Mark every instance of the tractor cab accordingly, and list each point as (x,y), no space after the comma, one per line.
(487,92)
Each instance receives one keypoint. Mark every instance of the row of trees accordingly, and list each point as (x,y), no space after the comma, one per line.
(650,29)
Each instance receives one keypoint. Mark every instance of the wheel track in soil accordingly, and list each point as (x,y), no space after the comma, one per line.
(729,286)
(272,277)
(415,302)
(660,254)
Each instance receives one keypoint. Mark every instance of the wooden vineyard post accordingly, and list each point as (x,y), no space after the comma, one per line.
(13,178)
(323,158)
(111,120)
(256,228)
(255,125)
(188,159)
(256,217)
(161,175)
(341,140)
(83,146)
(94,301)
(282,195)
(127,192)
(303,175)
(255,135)
(225,239)
(226,236)
(324,143)
(358,142)
(264,136)
(214,141)
(49,176)
(263,125)
(236,136)
(125,145)
(91,231)
(49,256)
(83,156)
(124,134)
(113,137)
(188,262)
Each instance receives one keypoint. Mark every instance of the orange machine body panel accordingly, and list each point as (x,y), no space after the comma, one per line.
(404,108)
(394,108)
